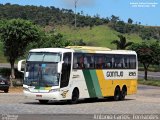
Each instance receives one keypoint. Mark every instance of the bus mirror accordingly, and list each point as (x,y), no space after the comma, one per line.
(20,66)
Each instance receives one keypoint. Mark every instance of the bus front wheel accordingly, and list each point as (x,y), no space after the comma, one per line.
(75,96)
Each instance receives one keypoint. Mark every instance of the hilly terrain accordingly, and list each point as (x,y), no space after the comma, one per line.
(100,35)
(93,30)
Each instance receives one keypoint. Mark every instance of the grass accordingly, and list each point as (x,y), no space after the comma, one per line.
(98,35)
(149,82)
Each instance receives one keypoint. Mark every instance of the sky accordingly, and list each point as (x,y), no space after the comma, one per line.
(144,11)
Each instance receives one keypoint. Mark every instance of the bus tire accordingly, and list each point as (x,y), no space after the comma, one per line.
(123,93)
(43,101)
(75,96)
(117,94)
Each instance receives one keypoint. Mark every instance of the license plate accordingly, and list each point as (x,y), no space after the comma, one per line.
(38,95)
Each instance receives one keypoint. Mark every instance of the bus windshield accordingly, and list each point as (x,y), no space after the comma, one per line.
(41,69)
(45,57)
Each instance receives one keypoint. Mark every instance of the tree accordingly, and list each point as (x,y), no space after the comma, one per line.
(130,21)
(146,33)
(120,26)
(114,19)
(121,43)
(16,34)
(51,39)
(147,54)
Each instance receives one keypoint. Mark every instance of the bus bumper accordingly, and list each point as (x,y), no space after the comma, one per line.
(43,96)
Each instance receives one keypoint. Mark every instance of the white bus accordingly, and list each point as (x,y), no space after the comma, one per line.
(78,72)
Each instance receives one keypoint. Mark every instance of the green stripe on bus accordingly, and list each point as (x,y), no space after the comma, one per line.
(96,83)
(37,87)
(89,83)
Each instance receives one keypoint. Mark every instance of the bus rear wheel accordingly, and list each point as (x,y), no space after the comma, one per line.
(123,93)
(75,96)
(117,94)
(43,101)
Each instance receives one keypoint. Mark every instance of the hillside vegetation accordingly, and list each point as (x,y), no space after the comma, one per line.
(94,31)
(97,36)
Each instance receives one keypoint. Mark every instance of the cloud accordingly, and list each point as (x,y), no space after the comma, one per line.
(80,3)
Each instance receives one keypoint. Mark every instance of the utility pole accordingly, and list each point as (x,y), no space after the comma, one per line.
(75,21)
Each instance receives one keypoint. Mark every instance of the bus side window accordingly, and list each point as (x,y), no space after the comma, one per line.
(92,61)
(99,62)
(132,61)
(81,62)
(75,63)
(78,61)
(109,61)
(126,62)
(88,61)
(118,61)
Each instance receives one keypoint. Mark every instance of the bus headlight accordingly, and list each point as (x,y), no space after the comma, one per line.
(54,90)
(26,89)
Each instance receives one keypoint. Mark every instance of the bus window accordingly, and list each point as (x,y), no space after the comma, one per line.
(126,62)
(88,61)
(132,61)
(75,64)
(122,61)
(118,61)
(109,61)
(78,61)
(99,62)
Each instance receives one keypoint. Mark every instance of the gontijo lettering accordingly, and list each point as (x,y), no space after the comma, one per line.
(114,74)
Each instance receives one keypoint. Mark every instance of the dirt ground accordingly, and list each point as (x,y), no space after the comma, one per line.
(15,89)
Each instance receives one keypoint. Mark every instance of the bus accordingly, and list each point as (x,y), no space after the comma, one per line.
(79,72)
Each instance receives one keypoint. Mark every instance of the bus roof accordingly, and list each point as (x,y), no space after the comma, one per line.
(91,49)
(51,50)
(84,49)
(88,48)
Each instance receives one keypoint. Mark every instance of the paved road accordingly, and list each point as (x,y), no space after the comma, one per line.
(146,101)
(151,75)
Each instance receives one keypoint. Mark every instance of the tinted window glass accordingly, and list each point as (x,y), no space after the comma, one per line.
(119,60)
(78,62)
(46,57)
(126,62)
(132,60)
(109,61)
(99,62)
(88,61)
